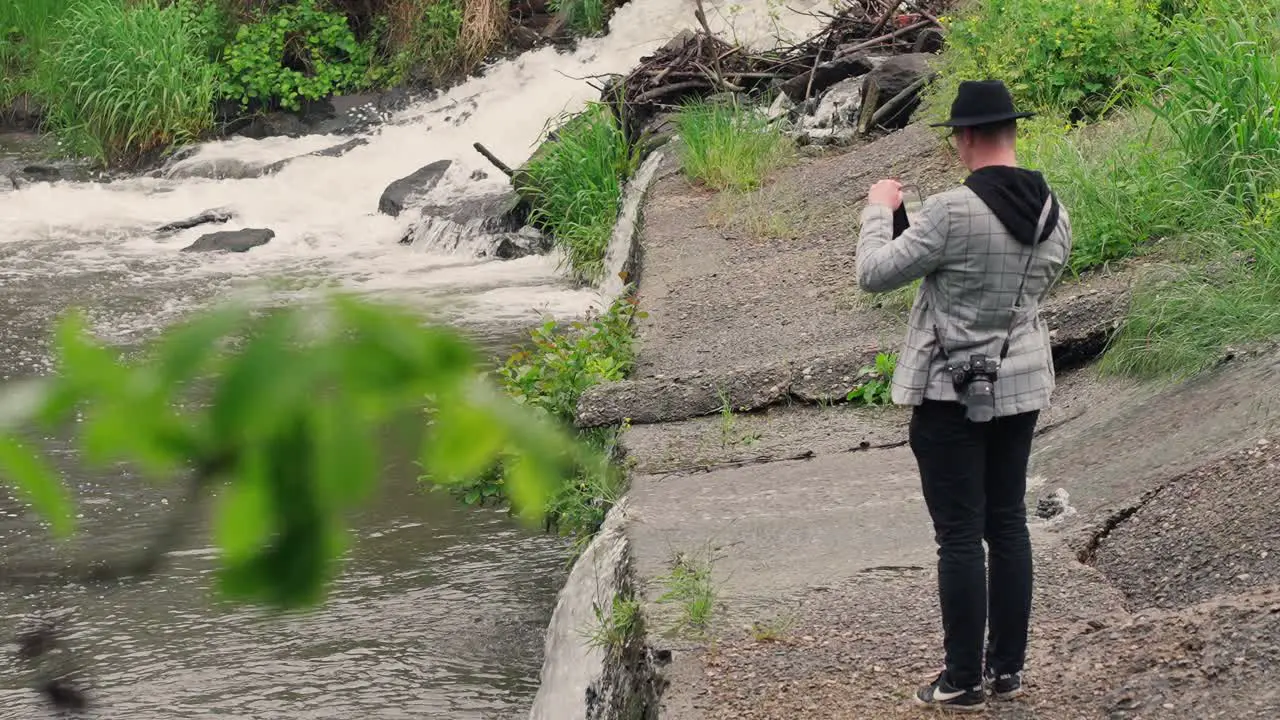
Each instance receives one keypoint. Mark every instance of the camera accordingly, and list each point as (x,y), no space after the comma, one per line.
(974,381)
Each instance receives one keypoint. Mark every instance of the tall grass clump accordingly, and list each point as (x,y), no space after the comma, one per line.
(1222,102)
(125,79)
(1119,181)
(575,184)
(585,16)
(26,27)
(1072,57)
(729,147)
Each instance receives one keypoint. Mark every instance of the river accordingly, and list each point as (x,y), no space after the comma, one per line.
(441,609)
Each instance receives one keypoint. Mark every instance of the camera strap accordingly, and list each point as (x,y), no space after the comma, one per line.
(1017,304)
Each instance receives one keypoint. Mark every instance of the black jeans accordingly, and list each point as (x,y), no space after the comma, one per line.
(974,477)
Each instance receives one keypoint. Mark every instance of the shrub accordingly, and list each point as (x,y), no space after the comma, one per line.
(125,79)
(728,146)
(1068,55)
(296,53)
(575,183)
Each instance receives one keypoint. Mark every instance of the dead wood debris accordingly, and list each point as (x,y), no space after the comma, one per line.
(698,63)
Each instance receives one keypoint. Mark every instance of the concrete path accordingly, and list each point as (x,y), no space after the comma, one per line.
(809,518)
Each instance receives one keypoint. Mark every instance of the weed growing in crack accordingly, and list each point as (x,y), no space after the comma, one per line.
(774,630)
(689,583)
(729,435)
(617,625)
(877,388)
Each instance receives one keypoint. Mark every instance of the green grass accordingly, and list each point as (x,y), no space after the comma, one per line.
(575,183)
(124,80)
(26,27)
(587,17)
(728,146)
(617,626)
(1221,103)
(689,584)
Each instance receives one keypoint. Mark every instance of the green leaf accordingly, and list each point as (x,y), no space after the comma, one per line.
(244,519)
(462,442)
(38,483)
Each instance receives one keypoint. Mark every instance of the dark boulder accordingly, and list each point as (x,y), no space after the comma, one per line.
(826,75)
(401,193)
(275,124)
(231,240)
(890,79)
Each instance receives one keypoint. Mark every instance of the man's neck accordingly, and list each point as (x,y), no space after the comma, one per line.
(995,159)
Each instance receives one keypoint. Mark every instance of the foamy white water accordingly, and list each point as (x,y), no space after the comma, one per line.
(324,209)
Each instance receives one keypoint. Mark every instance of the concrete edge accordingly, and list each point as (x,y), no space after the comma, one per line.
(580,679)
(622,257)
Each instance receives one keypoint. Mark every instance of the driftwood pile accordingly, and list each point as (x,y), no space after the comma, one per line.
(700,63)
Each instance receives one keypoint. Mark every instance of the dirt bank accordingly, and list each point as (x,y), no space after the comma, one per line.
(1156,593)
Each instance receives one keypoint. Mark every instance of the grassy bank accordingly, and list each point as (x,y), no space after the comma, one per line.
(121,78)
(1158,129)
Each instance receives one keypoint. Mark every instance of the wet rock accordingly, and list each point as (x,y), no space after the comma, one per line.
(204,218)
(498,212)
(1054,505)
(275,124)
(826,75)
(231,240)
(522,243)
(892,77)
(41,173)
(335,151)
(222,168)
(23,113)
(406,190)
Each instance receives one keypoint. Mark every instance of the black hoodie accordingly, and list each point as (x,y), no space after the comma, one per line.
(1016,196)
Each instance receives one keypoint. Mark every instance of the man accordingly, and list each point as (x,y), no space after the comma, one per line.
(989,252)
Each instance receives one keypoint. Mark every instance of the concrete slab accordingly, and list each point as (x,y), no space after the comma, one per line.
(783,528)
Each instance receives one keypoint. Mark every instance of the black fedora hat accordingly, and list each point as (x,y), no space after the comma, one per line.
(982,102)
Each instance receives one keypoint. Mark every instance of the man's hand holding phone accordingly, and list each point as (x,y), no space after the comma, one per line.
(886,192)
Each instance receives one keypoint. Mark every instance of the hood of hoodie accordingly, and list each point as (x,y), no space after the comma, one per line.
(1016,196)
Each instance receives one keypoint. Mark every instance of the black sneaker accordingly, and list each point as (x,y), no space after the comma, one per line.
(1004,687)
(942,695)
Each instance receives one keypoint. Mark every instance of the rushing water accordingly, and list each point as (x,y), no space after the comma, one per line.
(440,611)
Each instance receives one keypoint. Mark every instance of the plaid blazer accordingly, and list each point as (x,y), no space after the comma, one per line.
(971,268)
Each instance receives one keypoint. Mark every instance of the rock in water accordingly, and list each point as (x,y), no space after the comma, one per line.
(892,77)
(206,217)
(522,243)
(231,240)
(404,191)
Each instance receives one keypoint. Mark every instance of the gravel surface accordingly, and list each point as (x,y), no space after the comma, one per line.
(1211,532)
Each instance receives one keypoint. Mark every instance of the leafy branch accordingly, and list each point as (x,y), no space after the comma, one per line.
(276,414)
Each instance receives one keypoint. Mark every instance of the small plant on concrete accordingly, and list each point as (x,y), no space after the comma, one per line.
(617,625)
(689,584)
(877,388)
(729,434)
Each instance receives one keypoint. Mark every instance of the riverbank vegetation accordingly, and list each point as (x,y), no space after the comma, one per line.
(729,146)
(121,79)
(557,365)
(1158,129)
(574,183)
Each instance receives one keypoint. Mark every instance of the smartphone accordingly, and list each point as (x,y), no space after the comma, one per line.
(909,211)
